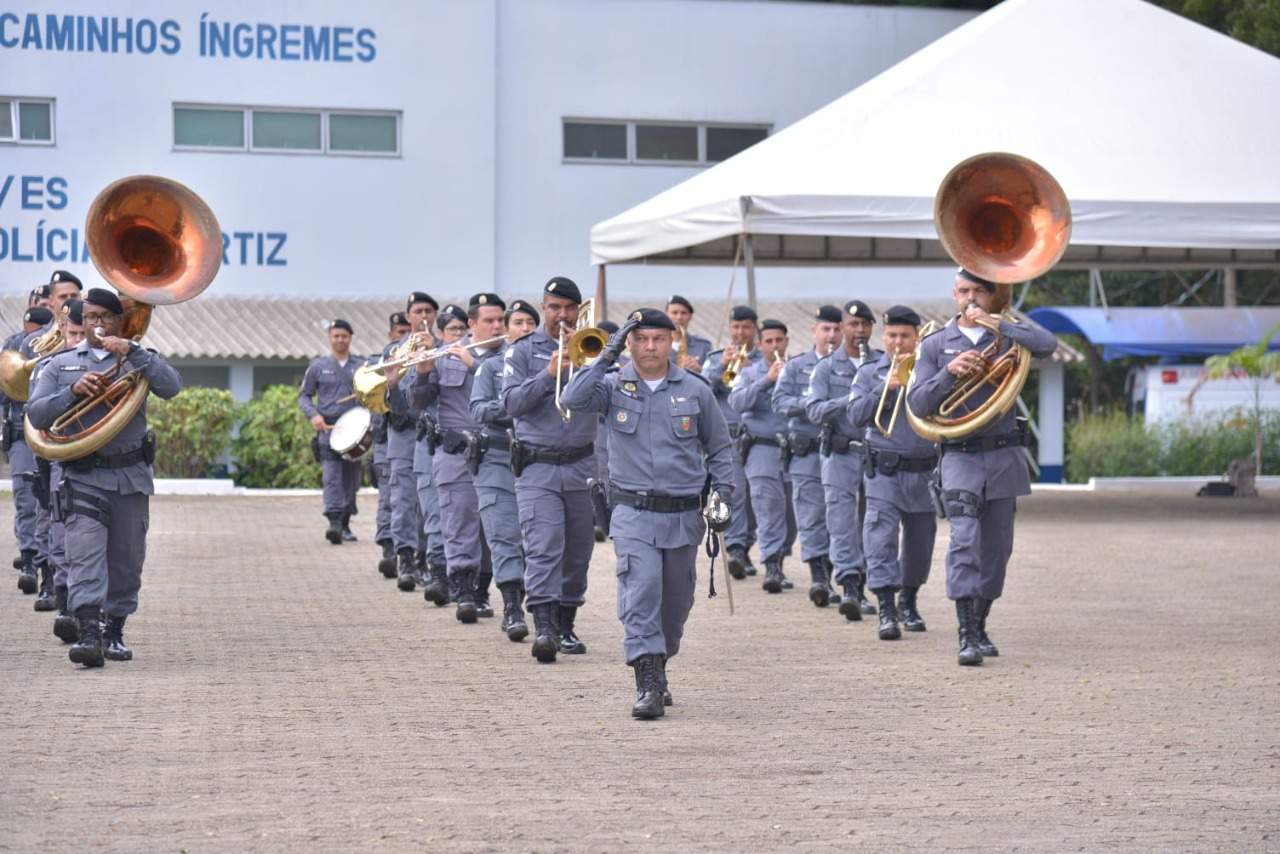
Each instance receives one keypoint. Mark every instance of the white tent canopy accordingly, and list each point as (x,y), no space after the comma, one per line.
(1163,133)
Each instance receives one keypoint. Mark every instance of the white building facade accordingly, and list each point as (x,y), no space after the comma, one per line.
(361,150)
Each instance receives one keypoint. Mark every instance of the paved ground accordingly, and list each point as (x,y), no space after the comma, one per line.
(286,696)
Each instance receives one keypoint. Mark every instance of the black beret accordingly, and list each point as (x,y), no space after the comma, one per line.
(828,314)
(448,313)
(37,315)
(900,314)
(976,279)
(74,310)
(37,294)
(858,308)
(524,308)
(486,299)
(397,318)
(651,318)
(417,297)
(563,287)
(103,298)
(676,299)
(342,324)
(64,276)
(608,326)
(770,323)
(743,312)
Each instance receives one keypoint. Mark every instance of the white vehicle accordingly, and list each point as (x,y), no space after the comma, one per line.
(1163,393)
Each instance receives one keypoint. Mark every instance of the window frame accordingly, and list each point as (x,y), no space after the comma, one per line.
(632,158)
(16,122)
(247,110)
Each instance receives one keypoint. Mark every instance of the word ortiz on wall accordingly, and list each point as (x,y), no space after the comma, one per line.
(50,240)
(215,39)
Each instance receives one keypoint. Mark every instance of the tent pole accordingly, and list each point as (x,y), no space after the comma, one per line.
(602,299)
(1051,409)
(1229,287)
(749,257)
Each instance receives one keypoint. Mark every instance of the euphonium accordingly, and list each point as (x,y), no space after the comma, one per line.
(1006,219)
(157,243)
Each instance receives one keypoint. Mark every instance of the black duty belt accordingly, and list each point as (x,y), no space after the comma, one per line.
(144,453)
(771,441)
(842,444)
(654,503)
(891,462)
(557,456)
(495,442)
(802,446)
(979,444)
(398,422)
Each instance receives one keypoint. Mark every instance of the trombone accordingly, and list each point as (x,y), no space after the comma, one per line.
(369,383)
(585,342)
(900,367)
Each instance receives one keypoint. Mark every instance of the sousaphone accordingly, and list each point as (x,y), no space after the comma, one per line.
(157,243)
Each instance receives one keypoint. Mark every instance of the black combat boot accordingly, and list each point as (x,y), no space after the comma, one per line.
(911,619)
(648,704)
(985,646)
(27,581)
(749,568)
(464,581)
(44,600)
(484,579)
(866,606)
(832,594)
(772,574)
(736,559)
(347,536)
(64,625)
(570,643)
(849,606)
(888,614)
(405,571)
(436,591)
(421,571)
(545,632)
(666,690)
(17,562)
(334,532)
(513,623)
(967,617)
(818,593)
(87,650)
(387,563)
(787,583)
(113,640)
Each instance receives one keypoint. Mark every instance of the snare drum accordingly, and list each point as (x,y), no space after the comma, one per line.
(352,434)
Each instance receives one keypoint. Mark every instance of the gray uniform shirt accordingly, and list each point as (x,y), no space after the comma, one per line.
(829,386)
(791,393)
(713,370)
(53,396)
(907,490)
(487,409)
(528,393)
(448,387)
(995,474)
(328,381)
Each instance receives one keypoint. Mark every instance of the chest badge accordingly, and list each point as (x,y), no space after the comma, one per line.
(631,387)
(622,416)
(685,424)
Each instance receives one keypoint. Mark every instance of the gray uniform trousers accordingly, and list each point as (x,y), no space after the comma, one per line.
(980,549)
(740,531)
(556,521)
(769,498)
(406,516)
(841,485)
(459,512)
(657,576)
(104,560)
(57,530)
(893,561)
(382,468)
(341,481)
(26,510)
(810,505)
(430,536)
(500,516)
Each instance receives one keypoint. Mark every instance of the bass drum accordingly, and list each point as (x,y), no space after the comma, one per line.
(352,434)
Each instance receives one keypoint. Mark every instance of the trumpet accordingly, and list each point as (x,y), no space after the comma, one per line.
(369,383)
(585,342)
(731,370)
(901,368)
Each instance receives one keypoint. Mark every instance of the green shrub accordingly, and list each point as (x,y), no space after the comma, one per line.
(1110,444)
(193,431)
(273,449)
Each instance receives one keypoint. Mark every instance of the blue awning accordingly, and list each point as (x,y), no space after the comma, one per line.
(1165,332)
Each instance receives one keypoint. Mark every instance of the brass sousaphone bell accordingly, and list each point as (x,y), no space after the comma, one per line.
(1006,219)
(157,243)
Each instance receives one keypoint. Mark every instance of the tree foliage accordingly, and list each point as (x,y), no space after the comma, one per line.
(193,431)
(273,449)
(1256,363)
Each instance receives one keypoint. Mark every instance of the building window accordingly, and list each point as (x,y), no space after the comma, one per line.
(26,121)
(200,127)
(619,141)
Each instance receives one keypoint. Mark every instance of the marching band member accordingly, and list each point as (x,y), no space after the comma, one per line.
(64,624)
(740,353)
(900,524)
(381,475)
(667,436)
(495,484)
(324,396)
(696,348)
(447,382)
(106,494)
(552,458)
(23,467)
(758,445)
(801,455)
(984,473)
(842,458)
(599,502)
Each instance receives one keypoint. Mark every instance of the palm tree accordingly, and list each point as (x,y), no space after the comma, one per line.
(1255,362)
